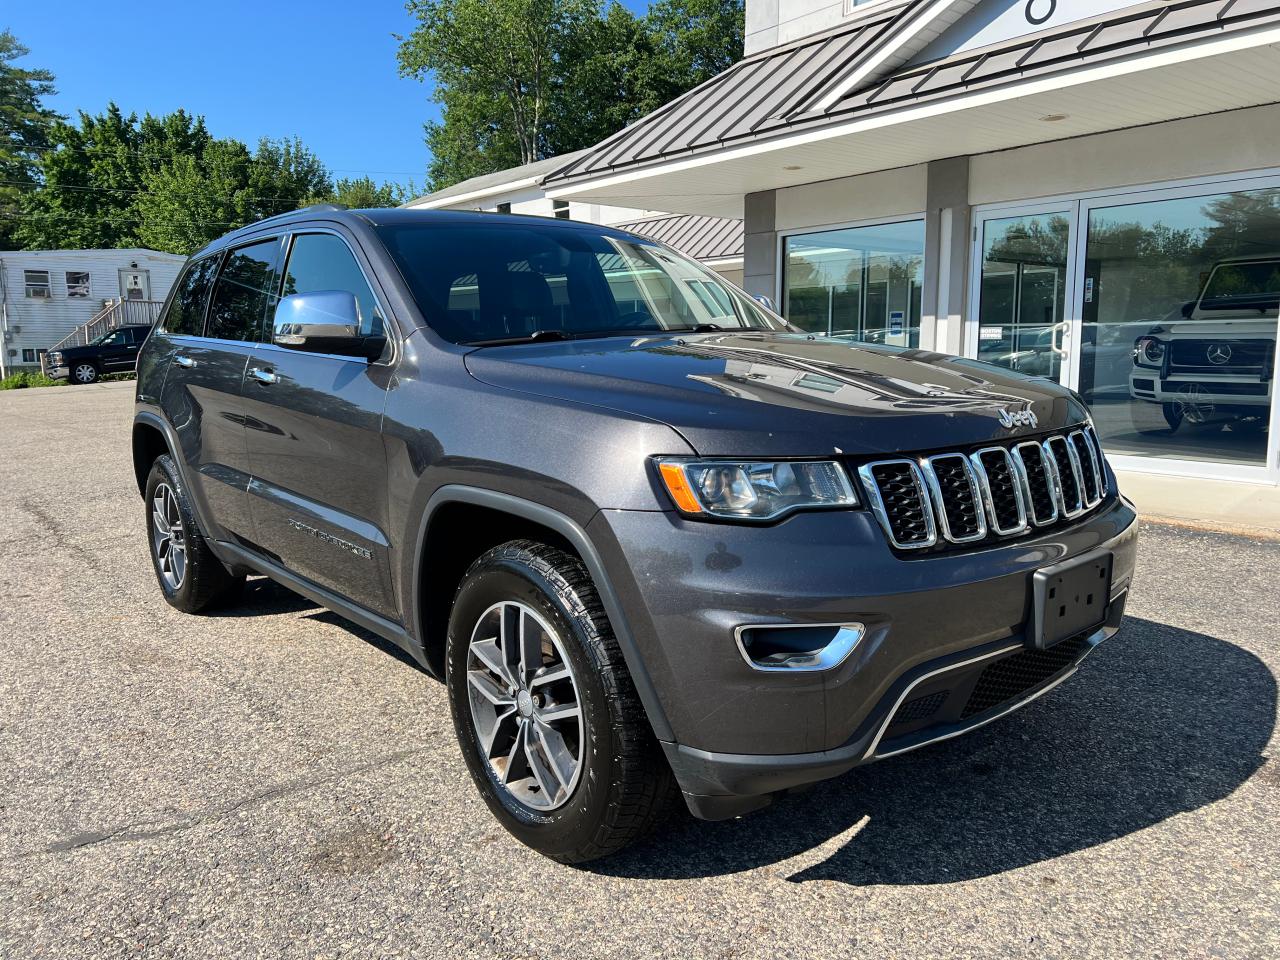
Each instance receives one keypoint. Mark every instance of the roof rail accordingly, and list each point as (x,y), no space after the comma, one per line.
(314,208)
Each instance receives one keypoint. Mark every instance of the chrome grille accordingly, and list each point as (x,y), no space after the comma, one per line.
(901,502)
(997,491)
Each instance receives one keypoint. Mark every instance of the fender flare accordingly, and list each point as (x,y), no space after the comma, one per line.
(577,536)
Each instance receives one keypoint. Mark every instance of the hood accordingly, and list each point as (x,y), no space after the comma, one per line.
(784,395)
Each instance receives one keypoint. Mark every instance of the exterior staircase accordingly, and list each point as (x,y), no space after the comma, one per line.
(114,313)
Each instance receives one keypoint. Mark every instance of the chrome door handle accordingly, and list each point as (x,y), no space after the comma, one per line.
(1059,346)
(263,375)
(184,361)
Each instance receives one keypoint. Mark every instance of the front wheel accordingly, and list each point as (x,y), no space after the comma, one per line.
(546,714)
(84,373)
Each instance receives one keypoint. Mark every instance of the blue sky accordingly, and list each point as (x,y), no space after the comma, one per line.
(323,70)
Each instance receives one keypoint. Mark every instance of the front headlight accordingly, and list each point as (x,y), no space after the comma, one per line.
(55,359)
(755,490)
(1148,352)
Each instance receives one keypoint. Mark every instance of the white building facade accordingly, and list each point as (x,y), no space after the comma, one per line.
(1085,190)
(47,294)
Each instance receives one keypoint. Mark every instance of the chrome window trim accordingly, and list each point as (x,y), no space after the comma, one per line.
(1024,477)
(874,498)
(1067,511)
(935,489)
(988,502)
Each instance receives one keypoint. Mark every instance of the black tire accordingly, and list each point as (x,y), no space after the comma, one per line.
(624,785)
(204,581)
(1172,416)
(91,373)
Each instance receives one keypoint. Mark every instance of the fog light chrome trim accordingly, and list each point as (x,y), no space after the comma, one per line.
(847,637)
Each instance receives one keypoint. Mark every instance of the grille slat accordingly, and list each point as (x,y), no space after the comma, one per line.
(956,497)
(901,502)
(1042,505)
(1003,491)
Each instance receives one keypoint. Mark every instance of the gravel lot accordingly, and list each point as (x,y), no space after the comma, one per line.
(273,781)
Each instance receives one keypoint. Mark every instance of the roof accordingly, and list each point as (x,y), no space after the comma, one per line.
(528,175)
(93,251)
(831,78)
(700,237)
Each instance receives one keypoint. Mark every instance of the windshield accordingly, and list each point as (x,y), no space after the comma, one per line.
(1242,284)
(480,283)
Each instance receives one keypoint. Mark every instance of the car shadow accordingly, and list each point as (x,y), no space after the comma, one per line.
(1158,721)
(262,596)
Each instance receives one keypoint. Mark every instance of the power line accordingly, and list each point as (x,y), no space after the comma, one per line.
(27,185)
(112,151)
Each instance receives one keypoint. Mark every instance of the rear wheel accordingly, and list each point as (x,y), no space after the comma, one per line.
(190,576)
(84,373)
(547,717)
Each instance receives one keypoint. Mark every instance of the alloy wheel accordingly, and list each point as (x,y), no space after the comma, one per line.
(525,706)
(1194,405)
(168,538)
(85,373)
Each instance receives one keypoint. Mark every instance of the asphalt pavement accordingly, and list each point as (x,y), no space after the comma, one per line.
(273,781)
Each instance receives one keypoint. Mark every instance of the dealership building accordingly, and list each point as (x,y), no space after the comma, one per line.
(1043,184)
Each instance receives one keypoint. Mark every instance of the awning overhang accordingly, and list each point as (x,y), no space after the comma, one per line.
(1213,73)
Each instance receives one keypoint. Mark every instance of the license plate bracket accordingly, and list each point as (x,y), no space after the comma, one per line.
(1069,598)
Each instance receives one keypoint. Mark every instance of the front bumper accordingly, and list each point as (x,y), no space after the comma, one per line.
(1244,390)
(942,624)
(59,373)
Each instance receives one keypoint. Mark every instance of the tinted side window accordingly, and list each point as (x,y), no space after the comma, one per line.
(321,261)
(186,311)
(243,291)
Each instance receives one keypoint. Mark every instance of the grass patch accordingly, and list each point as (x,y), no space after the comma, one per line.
(24,378)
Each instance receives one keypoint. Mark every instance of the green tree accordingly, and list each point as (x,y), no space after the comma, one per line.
(521,80)
(24,131)
(363,193)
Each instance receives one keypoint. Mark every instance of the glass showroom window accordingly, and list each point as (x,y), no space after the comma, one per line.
(861,282)
(1179,337)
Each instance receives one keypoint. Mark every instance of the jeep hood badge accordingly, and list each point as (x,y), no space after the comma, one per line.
(1018,418)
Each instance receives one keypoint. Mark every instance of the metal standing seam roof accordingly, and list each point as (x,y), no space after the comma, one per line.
(700,237)
(494,182)
(773,92)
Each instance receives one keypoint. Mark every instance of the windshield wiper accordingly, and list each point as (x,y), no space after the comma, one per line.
(538,336)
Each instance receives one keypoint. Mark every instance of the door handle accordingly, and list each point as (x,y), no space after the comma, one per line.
(184,361)
(1056,345)
(263,375)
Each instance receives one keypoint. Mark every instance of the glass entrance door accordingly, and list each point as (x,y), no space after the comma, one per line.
(1022,293)
(1181,291)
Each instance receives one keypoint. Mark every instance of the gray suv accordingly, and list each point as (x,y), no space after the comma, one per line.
(655,541)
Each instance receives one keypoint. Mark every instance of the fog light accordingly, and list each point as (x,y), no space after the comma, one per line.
(797,646)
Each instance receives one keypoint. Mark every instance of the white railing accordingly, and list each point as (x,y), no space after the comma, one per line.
(115,313)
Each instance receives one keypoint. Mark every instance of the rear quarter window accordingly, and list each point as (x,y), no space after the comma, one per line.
(185,315)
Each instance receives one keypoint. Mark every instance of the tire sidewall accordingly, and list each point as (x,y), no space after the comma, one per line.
(567,828)
(164,471)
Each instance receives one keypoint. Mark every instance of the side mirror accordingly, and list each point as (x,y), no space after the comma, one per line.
(766,302)
(1188,309)
(326,321)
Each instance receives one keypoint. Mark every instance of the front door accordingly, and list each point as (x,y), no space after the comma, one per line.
(118,351)
(1020,320)
(135,284)
(314,428)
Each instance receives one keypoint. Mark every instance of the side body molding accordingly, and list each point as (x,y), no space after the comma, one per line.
(571,531)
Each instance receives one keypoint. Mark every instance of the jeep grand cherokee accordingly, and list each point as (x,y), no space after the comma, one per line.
(654,540)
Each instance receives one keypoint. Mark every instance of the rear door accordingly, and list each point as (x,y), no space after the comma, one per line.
(201,397)
(314,428)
